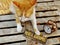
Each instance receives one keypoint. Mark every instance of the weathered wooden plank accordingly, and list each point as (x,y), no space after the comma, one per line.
(39,20)
(8,31)
(54,3)
(43,0)
(7,24)
(50,13)
(52,41)
(59,39)
(45,6)
(56,0)
(58,24)
(32,42)
(11,38)
(49,42)
(40,27)
(7,17)
(47,35)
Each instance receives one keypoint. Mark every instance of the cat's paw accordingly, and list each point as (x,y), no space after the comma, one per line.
(37,33)
(19,28)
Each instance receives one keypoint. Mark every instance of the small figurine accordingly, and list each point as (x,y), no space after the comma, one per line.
(50,27)
(33,36)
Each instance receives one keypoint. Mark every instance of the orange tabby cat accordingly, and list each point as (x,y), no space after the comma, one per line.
(27,12)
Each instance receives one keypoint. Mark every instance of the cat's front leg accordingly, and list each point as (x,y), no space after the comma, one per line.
(34,24)
(19,26)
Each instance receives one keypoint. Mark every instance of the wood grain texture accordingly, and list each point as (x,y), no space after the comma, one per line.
(59,39)
(45,10)
(7,24)
(45,6)
(49,13)
(48,18)
(7,17)
(43,0)
(52,41)
(8,31)
(11,38)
